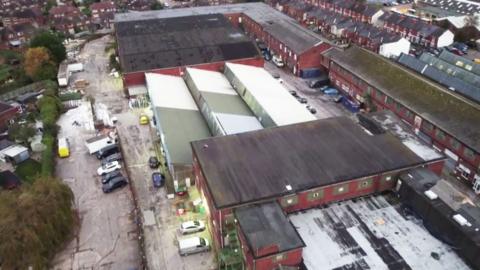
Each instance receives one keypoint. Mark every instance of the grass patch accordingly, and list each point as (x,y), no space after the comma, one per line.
(28,170)
(70,96)
(4,72)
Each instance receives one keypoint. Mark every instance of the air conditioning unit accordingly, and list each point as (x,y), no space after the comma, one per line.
(431,195)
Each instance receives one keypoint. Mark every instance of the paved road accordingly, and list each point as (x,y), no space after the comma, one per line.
(324,106)
(159,232)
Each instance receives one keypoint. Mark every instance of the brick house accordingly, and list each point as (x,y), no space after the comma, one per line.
(444,121)
(17,35)
(103,13)
(68,19)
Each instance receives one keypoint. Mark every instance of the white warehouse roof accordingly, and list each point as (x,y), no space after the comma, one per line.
(211,81)
(169,92)
(275,100)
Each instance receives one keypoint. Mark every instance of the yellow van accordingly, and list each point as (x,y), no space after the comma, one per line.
(63,148)
(476,60)
(144,119)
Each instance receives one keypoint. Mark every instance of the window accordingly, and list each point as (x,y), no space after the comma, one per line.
(338,190)
(440,134)
(427,126)
(468,153)
(386,178)
(314,195)
(388,100)
(279,257)
(289,200)
(365,183)
(408,114)
(455,144)
(398,107)
(380,96)
(369,90)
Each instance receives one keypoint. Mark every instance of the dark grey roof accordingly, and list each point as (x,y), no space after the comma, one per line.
(450,69)
(459,7)
(279,25)
(161,43)
(460,62)
(265,225)
(258,165)
(447,111)
(441,77)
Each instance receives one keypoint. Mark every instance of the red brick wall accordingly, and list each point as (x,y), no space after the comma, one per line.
(312,57)
(138,78)
(292,258)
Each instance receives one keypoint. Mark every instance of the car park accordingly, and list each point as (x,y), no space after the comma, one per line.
(112,157)
(192,226)
(109,176)
(158,179)
(277,60)
(153,162)
(109,167)
(193,245)
(107,151)
(114,183)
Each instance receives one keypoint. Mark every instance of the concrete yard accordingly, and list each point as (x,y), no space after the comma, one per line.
(370,233)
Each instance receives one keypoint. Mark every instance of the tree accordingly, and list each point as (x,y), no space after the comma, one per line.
(156,6)
(87,12)
(38,64)
(52,42)
(34,221)
(22,133)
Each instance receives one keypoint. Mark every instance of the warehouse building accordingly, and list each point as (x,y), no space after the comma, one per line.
(265,96)
(178,122)
(298,166)
(447,213)
(298,46)
(221,106)
(443,119)
(166,45)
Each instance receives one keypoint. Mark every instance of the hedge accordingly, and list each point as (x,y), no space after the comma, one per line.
(70,96)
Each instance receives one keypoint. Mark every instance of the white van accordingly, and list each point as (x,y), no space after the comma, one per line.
(192,245)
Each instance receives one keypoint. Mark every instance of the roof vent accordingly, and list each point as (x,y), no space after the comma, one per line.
(288,187)
(461,220)
(431,195)
(205,146)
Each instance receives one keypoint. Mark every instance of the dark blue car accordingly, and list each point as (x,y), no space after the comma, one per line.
(158,179)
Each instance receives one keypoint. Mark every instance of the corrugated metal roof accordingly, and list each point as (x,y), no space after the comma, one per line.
(210,81)
(169,92)
(460,62)
(275,100)
(253,166)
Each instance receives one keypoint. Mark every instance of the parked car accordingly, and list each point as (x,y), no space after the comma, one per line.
(109,167)
(144,120)
(330,91)
(302,99)
(107,151)
(293,93)
(313,110)
(114,183)
(192,226)
(109,176)
(193,245)
(337,98)
(153,162)
(277,60)
(112,157)
(276,75)
(267,55)
(158,179)
(455,50)
(461,46)
(317,83)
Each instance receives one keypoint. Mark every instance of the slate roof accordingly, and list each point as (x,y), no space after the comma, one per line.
(172,42)
(265,225)
(259,165)
(445,110)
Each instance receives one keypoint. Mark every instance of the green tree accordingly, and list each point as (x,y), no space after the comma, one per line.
(34,221)
(52,42)
(22,133)
(87,12)
(156,6)
(35,60)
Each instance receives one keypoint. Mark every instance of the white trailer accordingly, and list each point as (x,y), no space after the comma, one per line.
(96,143)
(63,74)
(75,67)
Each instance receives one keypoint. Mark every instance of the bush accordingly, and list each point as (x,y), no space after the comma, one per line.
(28,170)
(21,133)
(48,157)
(70,96)
(35,220)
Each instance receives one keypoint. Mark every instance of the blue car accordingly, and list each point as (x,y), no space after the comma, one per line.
(158,179)
(330,91)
